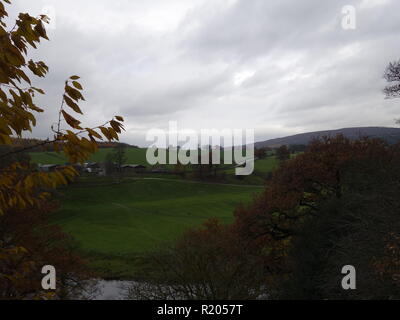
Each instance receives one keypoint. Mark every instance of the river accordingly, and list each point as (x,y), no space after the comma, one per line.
(111,289)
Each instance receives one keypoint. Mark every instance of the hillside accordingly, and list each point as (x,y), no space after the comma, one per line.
(391,135)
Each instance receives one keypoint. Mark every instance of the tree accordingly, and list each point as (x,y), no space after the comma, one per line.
(296,148)
(115,160)
(283,153)
(109,164)
(392,75)
(44,243)
(119,156)
(359,228)
(261,153)
(338,190)
(23,188)
(209,263)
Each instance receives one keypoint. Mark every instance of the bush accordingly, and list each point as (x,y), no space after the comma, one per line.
(208,264)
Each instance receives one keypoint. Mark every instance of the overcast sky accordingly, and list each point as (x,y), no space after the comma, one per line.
(281,67)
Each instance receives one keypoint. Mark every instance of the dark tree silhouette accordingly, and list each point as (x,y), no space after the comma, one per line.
(392,75)
(283,153)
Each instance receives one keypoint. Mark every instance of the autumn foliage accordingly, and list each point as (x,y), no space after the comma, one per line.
(336,181)
(337,203)
(22,187)
(40,244)
(209,263)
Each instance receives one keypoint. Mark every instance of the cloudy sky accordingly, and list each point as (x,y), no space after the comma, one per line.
(280,67)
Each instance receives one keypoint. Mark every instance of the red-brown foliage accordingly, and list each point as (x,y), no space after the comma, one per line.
(43,244)
(297,187)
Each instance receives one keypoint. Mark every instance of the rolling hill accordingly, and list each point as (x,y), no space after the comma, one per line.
(391,135)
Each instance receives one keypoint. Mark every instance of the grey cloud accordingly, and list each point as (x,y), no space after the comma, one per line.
(152,62)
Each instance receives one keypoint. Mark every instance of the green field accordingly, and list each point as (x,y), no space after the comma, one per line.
(113,223)
(266,165)
(261,166)
(136,156)
(133,156)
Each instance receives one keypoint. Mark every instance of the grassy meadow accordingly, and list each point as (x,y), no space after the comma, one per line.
(138,156)
(114,223)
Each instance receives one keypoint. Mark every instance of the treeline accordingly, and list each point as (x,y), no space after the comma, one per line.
(37,145)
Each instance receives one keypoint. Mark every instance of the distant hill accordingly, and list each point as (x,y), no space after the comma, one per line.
(391,135)
(29,143)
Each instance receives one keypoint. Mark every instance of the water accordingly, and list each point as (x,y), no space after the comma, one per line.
(116,290)
(111,289)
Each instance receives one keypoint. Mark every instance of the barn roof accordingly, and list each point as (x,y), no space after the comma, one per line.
(133,166)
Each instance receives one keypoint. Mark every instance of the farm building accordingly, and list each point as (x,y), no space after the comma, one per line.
(93,167)
(133,168)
